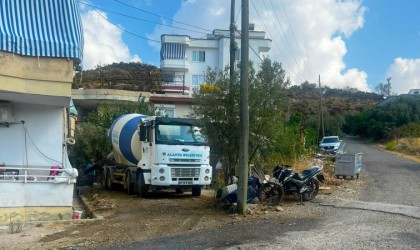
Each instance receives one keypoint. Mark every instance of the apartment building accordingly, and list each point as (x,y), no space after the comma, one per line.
(184,60)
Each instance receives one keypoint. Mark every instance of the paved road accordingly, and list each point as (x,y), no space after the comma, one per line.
(387,216)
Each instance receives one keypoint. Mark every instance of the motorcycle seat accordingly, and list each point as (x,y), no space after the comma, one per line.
(307,172)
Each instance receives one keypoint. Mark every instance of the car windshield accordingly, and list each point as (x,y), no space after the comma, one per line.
(330,140)
(179,134)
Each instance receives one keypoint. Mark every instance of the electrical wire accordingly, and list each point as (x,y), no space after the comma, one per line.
(251,48)
(129,32)
(154,14)
(291,28)
(285,39)
(33,142)
(278,48)
(140,19)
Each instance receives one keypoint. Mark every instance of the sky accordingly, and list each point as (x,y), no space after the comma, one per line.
(345,43)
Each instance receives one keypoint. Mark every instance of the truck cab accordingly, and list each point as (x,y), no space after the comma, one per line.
(174,155)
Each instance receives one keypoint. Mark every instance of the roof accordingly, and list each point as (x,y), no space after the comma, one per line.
(46,28)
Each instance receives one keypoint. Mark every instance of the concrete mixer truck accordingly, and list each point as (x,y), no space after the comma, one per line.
(153,153)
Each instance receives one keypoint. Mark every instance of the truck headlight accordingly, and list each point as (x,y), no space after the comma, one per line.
(207,171)
(162,178)
(206,178)
(162,170)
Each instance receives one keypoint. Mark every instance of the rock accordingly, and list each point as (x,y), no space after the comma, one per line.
(249,211)
(254,201)
(74,232)
(279,209)
(252,206)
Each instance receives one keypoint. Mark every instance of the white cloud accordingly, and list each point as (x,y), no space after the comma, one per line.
(405,75)
(135,58)
(103,43)
(309,41)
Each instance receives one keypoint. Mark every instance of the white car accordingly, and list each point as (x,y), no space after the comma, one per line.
(330,144)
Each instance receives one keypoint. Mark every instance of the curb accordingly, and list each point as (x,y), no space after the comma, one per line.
(88,210)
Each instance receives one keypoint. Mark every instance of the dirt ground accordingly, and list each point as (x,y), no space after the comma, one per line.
(124,218)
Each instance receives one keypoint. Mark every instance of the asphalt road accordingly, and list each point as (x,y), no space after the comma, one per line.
(386,216)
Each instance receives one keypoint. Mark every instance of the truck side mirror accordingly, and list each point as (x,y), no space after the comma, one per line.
(142,133)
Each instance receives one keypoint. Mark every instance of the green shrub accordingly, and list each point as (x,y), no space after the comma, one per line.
(391,145)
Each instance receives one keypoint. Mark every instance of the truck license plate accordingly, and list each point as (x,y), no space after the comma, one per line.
(185,183)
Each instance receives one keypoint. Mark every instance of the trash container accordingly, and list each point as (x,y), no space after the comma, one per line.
(348,165)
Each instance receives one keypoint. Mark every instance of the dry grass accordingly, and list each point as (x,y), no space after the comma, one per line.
(407,147)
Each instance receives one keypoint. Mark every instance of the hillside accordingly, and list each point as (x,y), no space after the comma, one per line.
(125,76)
(305,99)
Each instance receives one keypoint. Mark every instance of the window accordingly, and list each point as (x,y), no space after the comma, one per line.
(197,80)
(172,51)
(199,56)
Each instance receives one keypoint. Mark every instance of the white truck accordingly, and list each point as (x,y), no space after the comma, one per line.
(153,153)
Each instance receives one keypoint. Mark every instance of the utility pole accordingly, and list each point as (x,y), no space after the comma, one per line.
(322,108)
(244,112)
(232,42)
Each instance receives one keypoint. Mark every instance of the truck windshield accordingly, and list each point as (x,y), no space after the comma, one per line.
(179,134)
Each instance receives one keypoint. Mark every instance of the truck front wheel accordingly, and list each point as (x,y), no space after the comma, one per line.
(143,188)
(196,191)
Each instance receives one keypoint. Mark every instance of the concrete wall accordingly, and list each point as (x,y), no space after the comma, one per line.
(33,75)
(44,125)
(38,90)
(29,214)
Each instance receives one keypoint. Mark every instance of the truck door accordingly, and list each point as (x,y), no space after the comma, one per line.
(146,135)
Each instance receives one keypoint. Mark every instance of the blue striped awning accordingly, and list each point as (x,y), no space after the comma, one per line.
(50,28)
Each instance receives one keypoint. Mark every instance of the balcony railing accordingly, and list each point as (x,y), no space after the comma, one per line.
(38,174)
(174,64)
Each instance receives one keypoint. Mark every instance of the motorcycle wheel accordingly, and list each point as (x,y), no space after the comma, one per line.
(312,191)
(270,194)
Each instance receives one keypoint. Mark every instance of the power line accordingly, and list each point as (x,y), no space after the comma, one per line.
(293,56)
(291,28)
(154,14)
(267,30)
(145,20)
(251,48)
(129,32)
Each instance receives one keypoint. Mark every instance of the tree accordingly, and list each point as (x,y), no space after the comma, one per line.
(91,137)
(216,107)
(384,88)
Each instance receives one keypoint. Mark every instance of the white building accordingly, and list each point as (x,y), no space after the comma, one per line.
(184,60)
(38,59)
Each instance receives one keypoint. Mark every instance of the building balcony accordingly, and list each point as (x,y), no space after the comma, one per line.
(174,65)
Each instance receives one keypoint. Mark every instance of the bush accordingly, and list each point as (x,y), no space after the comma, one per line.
(391,145)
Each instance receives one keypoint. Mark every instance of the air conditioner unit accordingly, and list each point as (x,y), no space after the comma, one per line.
(6,114)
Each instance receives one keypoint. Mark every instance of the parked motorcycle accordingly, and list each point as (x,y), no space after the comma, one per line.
(288,182)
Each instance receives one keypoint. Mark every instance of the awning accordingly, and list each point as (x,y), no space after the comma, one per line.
(47,28)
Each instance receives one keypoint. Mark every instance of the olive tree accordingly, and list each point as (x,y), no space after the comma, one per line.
(216,107)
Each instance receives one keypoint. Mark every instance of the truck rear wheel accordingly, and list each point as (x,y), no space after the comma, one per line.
(109,184)
(103,179)
(128,184)
(196,191)
(142,187)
